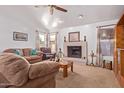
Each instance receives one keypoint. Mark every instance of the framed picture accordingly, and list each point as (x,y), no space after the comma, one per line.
(74,36)
(19,36)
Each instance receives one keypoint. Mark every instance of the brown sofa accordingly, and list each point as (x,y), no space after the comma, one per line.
(17,72)
(26,54)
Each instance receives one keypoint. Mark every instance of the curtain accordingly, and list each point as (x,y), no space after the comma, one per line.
(98,50)
(47,39)
(37,40)
(56,41)
(53,42)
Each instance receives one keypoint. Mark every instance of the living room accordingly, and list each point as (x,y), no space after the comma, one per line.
(59,33)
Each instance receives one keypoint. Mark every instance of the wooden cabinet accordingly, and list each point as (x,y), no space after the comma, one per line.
(119,51)
(120,37)
(122,63)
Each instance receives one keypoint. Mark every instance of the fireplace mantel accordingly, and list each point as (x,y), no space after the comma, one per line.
(81,43)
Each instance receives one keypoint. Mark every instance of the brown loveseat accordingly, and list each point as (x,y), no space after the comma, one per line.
(47,54)
(17,72)
(26,54)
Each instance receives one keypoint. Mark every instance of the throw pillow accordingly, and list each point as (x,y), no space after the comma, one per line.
(16,52)
(19,52)
(33,52)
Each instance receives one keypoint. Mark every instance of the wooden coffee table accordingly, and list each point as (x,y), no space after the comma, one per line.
(65,65)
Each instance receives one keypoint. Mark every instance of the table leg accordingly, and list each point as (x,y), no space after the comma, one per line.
(72,67)
(65,71)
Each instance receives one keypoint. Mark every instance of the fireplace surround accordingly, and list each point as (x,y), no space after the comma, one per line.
(83,50)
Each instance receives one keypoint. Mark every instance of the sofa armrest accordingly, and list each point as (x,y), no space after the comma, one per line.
(39,53)
(42,69)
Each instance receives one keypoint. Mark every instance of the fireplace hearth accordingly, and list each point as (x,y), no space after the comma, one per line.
(74,51)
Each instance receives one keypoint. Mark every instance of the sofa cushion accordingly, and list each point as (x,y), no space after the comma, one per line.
(14,68)
(32,57)
(16,51)
(4,82)
(35,57)
(27,58)
(26,51)
(42,68)
(9,51)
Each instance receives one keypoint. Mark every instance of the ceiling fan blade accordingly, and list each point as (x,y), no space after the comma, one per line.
(51,10)
(59,8)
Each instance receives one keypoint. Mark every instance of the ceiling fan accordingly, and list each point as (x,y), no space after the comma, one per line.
(53,7)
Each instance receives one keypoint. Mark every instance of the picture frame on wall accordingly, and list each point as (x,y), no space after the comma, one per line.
(74,36)
(19,36)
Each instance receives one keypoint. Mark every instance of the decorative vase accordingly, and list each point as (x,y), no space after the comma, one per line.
(64,39)
(84,38)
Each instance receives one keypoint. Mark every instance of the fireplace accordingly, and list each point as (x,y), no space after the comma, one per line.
(74,51)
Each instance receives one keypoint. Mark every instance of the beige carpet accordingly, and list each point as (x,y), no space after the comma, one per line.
(87,77)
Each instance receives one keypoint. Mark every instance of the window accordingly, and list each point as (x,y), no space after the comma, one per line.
(42,37)
(48,41)
(53,42)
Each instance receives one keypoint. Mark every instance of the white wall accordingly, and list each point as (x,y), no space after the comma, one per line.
(7,27)
(15,20)
(21,20)
(89,30)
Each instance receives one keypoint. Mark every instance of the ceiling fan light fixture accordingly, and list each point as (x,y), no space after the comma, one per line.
(104,34)
(80,16)
(70,28)
(55,24)
(60,21)
(51,10)
(45,20)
